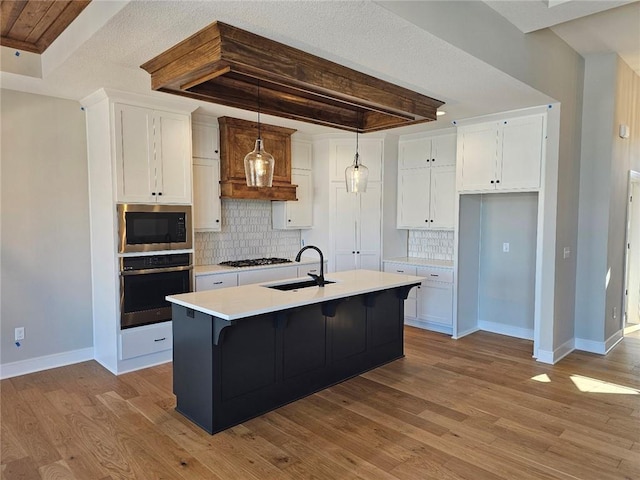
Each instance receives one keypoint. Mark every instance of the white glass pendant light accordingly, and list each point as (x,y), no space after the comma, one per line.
(356,174)
(258,164)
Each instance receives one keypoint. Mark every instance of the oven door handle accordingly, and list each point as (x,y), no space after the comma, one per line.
(145,271)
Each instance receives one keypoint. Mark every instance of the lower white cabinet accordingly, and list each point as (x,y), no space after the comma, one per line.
(410,304)
(430,305)
(214,281)
(138,341)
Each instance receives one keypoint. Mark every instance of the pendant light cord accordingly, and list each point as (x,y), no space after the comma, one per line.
(259,129)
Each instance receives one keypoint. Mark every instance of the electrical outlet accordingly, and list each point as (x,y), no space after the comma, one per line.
(567,252)
(19,332)
(615,312)
(505,247)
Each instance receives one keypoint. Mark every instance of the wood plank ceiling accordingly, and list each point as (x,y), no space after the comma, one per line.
(33,25)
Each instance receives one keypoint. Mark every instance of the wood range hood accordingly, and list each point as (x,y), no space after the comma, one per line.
(224,64)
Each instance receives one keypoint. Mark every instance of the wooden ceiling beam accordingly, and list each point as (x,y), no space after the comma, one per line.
(223,64)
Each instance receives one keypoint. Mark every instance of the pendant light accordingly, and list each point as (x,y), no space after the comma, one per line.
(356,174)
(258,164)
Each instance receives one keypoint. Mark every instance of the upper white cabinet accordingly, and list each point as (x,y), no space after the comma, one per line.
(206,175)
(439,150)
(504,155)
(426,182)
(297,214)
(153,155)
(343,151)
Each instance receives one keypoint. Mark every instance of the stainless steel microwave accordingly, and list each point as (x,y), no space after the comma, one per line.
(148,228)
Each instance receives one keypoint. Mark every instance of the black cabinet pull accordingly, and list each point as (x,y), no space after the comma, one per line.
(358,253)
(160,339)
(353,252)
(433,159)
(400,271)
(159,193)
(434,274)
(427,220)
(289,220)
(218,283)
(497,181)
(153,193)
(491,181)
(431,221)
(217,220)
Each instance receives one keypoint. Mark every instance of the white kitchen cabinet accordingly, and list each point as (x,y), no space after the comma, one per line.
(153,155)
(356,234)
(298,214)
(435,298)
(423,151)
(205,137)
(342,152)
(504,155)
(426,198)
(267,275)
(295,215)
(146,340)
(410,304)
(207,208)
(215,281)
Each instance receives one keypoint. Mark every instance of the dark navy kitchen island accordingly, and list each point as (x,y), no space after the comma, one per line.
(243,351)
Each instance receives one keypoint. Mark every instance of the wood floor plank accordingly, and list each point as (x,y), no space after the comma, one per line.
(476,408)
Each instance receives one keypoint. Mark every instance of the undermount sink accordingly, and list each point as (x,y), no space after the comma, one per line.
(296,285)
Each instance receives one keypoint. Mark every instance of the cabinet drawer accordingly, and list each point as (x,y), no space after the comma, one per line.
(213,282)
(400,268)
(135,342)
(436,274)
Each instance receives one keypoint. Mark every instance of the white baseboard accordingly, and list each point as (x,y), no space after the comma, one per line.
(546,356)
(464,333)
(508,330)
(22,367)
(425,325)
(601,348)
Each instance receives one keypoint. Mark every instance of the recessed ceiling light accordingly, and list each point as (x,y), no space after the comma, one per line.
(439,113)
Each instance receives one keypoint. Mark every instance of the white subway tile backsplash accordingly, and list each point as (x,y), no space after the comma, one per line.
(246,233)
(431,244)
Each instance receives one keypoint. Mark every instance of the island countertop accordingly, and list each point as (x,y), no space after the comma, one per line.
(249,300)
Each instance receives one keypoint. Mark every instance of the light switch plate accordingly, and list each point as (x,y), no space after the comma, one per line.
(505,247)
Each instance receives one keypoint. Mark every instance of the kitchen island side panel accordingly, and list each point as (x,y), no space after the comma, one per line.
(265,361)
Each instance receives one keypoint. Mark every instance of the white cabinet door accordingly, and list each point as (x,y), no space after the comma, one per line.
(478,149)
(357,227)
(298,214)
(443,197)
(343,151)
(206,139)
(522,141)
(435,297)
(414,195)
(135,162)
(206,195)
(301,154)
(414,153)
(443,150)
(153,155)
(172,142)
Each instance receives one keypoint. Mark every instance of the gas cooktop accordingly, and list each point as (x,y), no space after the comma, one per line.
(255,262)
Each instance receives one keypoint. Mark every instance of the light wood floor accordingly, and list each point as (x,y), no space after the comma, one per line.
(477,408)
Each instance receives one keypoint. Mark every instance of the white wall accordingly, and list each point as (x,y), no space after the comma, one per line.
(507,279)
(612,92)
(45,255)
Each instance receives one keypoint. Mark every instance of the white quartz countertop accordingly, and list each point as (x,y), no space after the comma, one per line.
(248,300)
(421,262)
(214,269)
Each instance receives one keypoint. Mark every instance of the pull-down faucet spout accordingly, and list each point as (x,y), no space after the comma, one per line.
(318,278)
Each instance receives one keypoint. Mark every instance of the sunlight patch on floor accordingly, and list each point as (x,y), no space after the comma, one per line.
(543,378)
(593,385)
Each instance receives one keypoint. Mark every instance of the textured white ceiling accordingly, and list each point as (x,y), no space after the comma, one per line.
(358,34)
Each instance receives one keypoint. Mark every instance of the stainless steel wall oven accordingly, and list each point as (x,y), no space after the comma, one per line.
(145,281)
